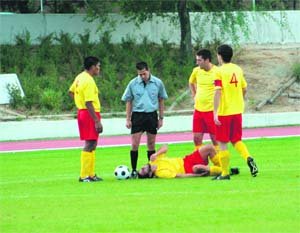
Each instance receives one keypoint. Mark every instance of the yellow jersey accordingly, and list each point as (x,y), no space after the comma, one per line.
(231,81)
(168,167)
(85,90)
(204,81)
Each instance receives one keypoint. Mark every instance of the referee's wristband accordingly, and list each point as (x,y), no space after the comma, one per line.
(160,117)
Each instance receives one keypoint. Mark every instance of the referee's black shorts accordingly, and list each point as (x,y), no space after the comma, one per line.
(144,121)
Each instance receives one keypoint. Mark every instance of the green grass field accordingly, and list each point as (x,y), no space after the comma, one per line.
(39,192)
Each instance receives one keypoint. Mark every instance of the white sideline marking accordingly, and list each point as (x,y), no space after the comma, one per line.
(128,144)
(69,177)
(163,193)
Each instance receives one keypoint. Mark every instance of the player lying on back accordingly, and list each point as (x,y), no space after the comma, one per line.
(192,165)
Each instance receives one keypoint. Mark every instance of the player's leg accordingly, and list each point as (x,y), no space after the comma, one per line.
(137,120)
(151,126)
(135,142)
(151,138)
(222,136)
(240,146)
(198,139)
(197,129)
(88,133)
(207,151)
(210,128)
(87,160)
(224,157)
(211,153)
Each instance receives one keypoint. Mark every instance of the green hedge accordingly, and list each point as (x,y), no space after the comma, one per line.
(47,70)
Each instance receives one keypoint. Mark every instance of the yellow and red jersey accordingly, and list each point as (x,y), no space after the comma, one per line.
(168,167)
(85,90)
(204,81)
(231,81)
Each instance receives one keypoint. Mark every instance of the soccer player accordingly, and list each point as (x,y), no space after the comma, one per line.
(85,94)
(192,165)
(230,90)
(144,95)
(201,83)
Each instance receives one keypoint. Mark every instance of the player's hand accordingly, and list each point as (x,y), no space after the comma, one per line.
(99,127)
(153,157)
(216,119)
(159,123)
(128,124)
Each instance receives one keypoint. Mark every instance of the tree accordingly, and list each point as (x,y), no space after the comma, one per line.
(229,15)
(142,10)
(219,9)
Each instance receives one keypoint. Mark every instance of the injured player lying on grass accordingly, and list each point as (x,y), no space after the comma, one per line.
(192,165)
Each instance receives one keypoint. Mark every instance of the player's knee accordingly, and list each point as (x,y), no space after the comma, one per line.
(197,140)
(134,146)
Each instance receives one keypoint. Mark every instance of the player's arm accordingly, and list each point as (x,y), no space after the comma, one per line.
(72,89)
(190,175)
(71,94)
(217,98)
(162,150)
(193,89)
(128,114)
(161,107)
(244,92)
(91,110)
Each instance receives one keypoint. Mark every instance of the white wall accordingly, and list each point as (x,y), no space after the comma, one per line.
(8,80)
(262,30)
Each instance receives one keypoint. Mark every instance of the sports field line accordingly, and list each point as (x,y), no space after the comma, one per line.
(7,181)
(161,193)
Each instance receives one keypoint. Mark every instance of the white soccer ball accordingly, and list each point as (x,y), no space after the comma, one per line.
(122,172)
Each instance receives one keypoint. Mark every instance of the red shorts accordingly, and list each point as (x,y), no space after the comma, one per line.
(230,128)
(86,125)
(193,159)
(203,122)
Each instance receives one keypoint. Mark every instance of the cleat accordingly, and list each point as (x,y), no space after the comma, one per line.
(95,178)
(134,174)
(86,179)
(219,177)
(234,171)
(252,166)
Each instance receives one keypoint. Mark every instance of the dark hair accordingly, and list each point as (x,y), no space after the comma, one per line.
(147,175)
(141,65)
(225,51)
(90,61)
(205,54)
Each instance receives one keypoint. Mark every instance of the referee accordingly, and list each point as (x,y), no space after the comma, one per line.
(144,95)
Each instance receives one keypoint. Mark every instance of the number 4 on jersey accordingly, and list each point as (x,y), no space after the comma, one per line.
(234,80)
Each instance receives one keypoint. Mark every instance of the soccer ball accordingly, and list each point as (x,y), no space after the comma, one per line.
(122,172)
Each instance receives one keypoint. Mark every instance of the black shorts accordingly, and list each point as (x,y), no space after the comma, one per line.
(144,121)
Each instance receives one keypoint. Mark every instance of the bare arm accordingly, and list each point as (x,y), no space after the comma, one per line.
(128,114)
(193,89)
(190,175)
(92,112)
(161,109)
(163,149)
(71,94)
(216,106)
(244,92)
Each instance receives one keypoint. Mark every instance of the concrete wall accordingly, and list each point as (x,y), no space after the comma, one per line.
(261,29)
(38,129)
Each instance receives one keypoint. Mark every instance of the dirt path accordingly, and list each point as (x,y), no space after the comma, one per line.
(266,69)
